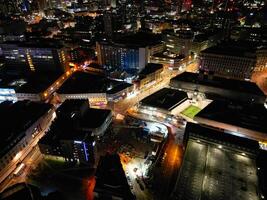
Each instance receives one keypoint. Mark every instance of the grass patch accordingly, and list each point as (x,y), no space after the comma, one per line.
(191,111)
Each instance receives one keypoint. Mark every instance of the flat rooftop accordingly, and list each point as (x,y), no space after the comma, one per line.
(140,39)
(34,83)
(252,117)
(83,82)
(16,118)
(165,98)
(40,43)
(212,170)
(241,49)
(219,82)
(150,68)
(75,121)
(169,55)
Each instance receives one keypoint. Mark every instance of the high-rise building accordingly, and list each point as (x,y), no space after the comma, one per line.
(130,54)
(29,57)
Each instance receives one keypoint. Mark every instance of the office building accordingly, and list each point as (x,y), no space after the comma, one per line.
(171,60)
(218,88)
(23,124)
(130,53)
(34,57)
(231,60)
(179,41)
(111,182)
(72,134)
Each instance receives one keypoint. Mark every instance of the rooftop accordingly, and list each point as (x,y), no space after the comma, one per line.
(252,117)
(82,82)
(75,121)
(16,119)
(247,49)
(140,39)
(151,68)
(40,43)
(211,170)
(165,98)
(34,83)
(169,55)
(219,82)
(110,177)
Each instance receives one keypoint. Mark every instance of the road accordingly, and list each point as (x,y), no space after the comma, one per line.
(167,172)
(27,155)
(122,106)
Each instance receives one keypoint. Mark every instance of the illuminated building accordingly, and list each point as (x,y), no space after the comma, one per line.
(31,87)
(232,60)
(22,125)
(130,53)
(218,88)
(261,64)
(79,86)
(31,57)
(240,119)
(151,74)
(72,134)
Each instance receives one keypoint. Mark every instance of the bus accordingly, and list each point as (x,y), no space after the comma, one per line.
(19,170)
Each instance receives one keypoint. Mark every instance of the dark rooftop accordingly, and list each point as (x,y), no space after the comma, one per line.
(140,39)
(247,49)
(16,119)
(82,82)
(75,121)
(165,98)
(40,43)
(209,134)
(21,191)
(252,117)
(34,83)
(220,82)
(111,179)
(151,68)
(169,55)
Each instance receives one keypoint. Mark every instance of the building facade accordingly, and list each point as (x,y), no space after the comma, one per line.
(26,136)
(231,62)
(28,58)
(129,58)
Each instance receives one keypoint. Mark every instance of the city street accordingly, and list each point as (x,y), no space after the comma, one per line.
(123,105)
(29,156)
